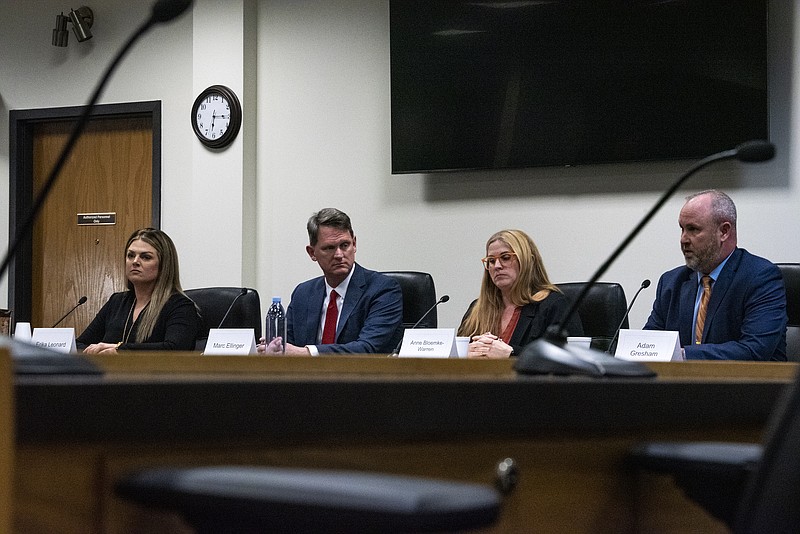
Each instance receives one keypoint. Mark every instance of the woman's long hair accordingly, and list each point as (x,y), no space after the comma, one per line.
(168,281)
(532,285)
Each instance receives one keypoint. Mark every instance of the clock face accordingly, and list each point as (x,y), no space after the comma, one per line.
(216,116)
(213,116)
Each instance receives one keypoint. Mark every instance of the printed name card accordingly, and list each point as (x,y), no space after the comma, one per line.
(649,346)
(230,341)
(429,343)
(57,339)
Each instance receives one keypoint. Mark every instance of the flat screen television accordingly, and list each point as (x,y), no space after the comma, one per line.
(512,84)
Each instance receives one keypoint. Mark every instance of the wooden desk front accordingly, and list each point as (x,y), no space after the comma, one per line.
(451,419)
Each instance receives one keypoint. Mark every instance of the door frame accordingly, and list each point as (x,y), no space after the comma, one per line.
(21,126)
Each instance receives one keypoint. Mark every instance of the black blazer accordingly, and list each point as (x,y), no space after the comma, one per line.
(176,328)
(534,319)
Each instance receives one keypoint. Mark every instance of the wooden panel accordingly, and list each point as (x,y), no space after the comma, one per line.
(708,369)
(371,364)
(6,441)
(56,489)
(440,418)
(110,170)
(565,485)
(324,366)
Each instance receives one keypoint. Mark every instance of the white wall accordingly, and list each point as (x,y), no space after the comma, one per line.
(324,140)
(35,74)
(314,80)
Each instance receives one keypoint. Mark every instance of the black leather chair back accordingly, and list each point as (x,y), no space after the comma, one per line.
(228,499)
(214,303)
(791,279)
(601,311)
(419,294)
(771,497)
(751,487)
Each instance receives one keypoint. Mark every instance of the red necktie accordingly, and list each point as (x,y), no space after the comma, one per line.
(332,315)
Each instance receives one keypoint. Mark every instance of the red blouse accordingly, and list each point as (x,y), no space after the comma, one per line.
(512,324)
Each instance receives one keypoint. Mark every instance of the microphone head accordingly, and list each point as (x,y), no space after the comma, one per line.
(755,151)
(645,283)
(82,300)
(166,10)
(444,298)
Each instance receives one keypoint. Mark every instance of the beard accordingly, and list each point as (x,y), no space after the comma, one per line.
(705,259)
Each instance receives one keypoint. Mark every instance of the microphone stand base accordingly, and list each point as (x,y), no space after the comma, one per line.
(548,356)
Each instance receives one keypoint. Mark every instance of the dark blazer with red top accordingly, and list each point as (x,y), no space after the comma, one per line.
(535,317)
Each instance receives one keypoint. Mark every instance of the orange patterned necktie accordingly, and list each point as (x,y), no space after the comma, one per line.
(701,311)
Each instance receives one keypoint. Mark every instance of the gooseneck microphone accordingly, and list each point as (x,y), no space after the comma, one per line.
(549,354)
(163,11)
(645,285)
(241,293)
(81,301)
(444,298)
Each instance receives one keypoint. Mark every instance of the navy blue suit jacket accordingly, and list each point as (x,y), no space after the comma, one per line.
(746,318)
(370,320)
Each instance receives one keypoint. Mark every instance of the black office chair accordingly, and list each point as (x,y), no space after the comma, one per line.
(752,488)
(245,499)
(419,294)
(791,279)
(214,302)
(601,312)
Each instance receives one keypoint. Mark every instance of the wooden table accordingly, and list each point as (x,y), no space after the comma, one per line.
(452,419)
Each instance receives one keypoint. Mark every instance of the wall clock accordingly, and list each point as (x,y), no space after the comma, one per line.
(216,116)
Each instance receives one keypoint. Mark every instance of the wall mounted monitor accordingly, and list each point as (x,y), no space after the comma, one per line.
(511,84)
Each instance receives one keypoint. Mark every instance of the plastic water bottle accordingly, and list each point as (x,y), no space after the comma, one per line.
(276,323)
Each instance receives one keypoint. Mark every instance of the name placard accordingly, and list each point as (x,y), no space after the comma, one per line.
(57,339)
(230,341)
(649,346)
(429,343)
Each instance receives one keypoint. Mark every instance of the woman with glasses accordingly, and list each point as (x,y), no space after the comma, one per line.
(517,301)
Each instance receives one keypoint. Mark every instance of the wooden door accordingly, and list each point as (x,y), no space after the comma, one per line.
(109,171)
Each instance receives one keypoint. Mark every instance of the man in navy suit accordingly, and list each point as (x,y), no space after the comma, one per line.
(745,316)
(367,309)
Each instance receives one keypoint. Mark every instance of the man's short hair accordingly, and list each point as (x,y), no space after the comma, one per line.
(327,217)
(722,206)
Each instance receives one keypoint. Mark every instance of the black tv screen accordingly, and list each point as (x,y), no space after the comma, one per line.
(511,84)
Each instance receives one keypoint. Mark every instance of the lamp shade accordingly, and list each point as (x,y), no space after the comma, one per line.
(82,20)
(60,33)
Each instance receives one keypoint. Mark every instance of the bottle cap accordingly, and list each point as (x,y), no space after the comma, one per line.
(276,299)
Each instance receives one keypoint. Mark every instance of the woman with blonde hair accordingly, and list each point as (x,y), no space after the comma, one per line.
(154,313)
(517,301)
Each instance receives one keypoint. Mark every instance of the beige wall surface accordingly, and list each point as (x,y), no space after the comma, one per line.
(313,78)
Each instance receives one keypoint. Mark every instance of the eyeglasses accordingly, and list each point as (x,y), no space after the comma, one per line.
(504,258)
